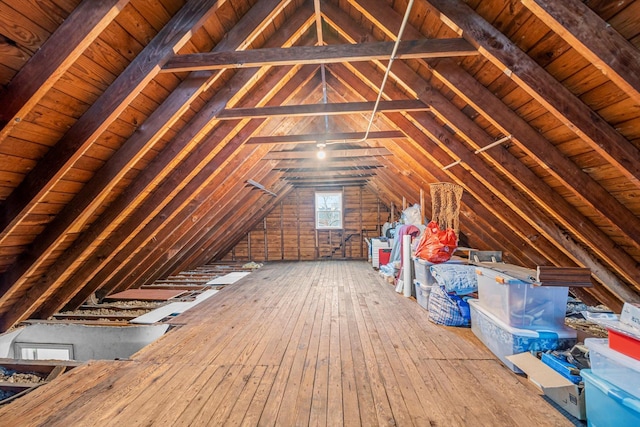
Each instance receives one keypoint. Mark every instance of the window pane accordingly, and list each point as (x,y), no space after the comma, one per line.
(328,210)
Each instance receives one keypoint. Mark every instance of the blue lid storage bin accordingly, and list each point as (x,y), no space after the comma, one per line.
(504,340)
(608,405)
(520,303)
(620,370)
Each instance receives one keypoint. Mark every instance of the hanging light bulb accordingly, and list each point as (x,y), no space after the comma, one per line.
(321,153)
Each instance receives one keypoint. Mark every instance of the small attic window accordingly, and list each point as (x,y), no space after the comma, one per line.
(39,351)
(328,210)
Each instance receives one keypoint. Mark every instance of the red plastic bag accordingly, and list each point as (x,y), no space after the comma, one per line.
(437,245)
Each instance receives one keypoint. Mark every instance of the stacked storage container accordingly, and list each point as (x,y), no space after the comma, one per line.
(513,314)
(424,280)
(612,385)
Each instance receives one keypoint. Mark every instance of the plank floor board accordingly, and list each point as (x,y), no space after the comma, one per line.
(310,343)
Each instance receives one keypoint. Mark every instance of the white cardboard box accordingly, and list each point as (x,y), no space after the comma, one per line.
(556,387)
(631,314)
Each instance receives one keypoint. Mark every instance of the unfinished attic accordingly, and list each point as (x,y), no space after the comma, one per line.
(170,151)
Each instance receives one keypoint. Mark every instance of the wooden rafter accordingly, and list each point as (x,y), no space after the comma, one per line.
(611,53)
(548,156)
(299,55)
(56,55)
(141,142)
(509,122)
(103,112)
(320,109)
(324,137)
(197,156)
(496,186)
(543,87)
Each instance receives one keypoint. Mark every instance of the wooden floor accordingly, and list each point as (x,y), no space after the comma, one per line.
(311,343)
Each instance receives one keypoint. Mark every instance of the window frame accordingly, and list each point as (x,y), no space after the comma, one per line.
(317,211)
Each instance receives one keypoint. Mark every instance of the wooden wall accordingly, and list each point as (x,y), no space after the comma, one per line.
(288,231)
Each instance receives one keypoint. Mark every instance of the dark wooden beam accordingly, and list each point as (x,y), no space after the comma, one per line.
(324,137)
(347,153)
(549,157)
(593,38)
(82,205)
(329,162)
(380,13)
(320,109)
(330,174)
(115,99)
(53,59)
(296,55)
(199,155)
(324,179)
(543,87)
(154,260)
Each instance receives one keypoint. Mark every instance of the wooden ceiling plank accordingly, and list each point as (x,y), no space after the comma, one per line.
(154,127)
(320,109)
(543,87)
(497,186)
(186,224)
(578,25)
(560,239)
(537,218)
(162,162)
(55,56)
(196,244)
(223,227)
(346,153)
(583,186)
(323,137)
(300,55)
(224,243)
(329,174)
(103,112)
(547,155)
(134,148)
(317,164)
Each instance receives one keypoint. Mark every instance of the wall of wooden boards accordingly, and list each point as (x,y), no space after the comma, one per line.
(288,231)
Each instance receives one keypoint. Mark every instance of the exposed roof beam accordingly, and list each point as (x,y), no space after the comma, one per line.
(594,38)
(410,49)
(354,152)
(53,59)
(547,155)
(324,179)
(543,87)
(153,128)
(115,99)
(315,137)
(320,109)
(162,161)
(314,163)
(329,174)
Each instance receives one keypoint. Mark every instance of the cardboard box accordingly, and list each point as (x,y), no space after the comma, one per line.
(567,395)
(631,314)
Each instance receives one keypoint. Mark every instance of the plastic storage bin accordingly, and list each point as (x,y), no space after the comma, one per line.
(422,294)
(422,272)
(608,405)
(519,303)
(614,367)
(504,340)
(625,342)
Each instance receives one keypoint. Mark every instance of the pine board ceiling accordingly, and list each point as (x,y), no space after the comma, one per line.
(129,129)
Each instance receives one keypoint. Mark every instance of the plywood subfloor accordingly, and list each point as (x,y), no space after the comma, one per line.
(311,343)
